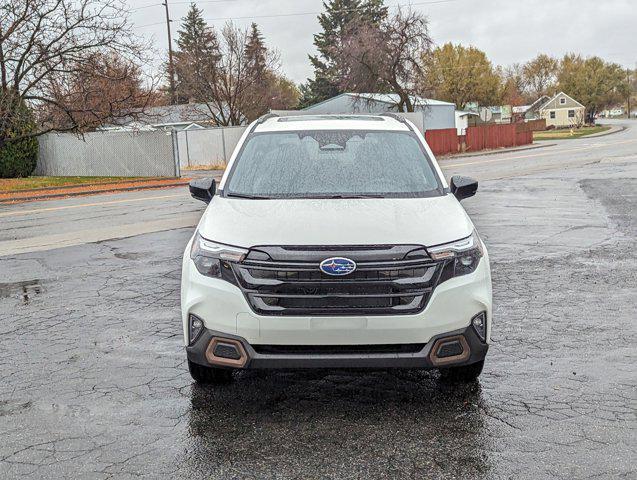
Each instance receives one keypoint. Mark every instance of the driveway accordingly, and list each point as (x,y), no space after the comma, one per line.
(93,382)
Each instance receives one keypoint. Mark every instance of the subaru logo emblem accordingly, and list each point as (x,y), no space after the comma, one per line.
(337,266)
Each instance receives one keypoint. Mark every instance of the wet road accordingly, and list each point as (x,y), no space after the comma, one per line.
(93,382)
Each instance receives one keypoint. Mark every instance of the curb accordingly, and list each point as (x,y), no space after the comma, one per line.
(96,185)
(603,134)
(496,152)
(91,192)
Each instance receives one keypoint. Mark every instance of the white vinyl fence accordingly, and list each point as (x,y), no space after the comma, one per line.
(121,154)
(207,147)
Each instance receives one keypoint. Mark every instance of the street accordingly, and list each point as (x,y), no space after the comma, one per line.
(93,376)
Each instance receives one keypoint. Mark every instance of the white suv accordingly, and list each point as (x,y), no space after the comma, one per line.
(335,241)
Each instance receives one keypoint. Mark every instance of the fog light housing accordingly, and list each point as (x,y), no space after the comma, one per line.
(226,350)
(450,349)
(479,324)
(195,327)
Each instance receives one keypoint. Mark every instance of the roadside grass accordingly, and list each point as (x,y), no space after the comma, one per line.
(565,133)
(214,166)
(29,183)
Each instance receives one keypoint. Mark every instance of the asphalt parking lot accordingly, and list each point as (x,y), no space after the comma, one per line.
(93,381)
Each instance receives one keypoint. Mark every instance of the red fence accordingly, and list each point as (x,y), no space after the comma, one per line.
(442,141)
(446,140)
(490,136)
(532,125)
(524,138)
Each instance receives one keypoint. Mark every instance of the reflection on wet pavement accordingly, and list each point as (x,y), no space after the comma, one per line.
(379,423)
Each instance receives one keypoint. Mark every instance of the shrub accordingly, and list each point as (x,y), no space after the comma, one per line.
(18,158)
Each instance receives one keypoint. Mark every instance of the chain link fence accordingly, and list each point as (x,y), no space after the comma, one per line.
(109,154)
(207,147)
(156,153)
(144,153)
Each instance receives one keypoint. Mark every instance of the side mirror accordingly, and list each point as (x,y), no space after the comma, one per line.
(202,189)
(463,187)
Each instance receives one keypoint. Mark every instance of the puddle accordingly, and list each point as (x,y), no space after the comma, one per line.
(128,256)
(9,407)
(24,290)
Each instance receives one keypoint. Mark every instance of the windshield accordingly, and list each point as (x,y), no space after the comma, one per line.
(335,163)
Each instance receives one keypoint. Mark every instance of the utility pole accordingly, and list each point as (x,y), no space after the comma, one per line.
(629,89)
(171,67)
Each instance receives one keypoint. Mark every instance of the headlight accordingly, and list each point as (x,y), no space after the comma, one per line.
(463,255)
(211,257)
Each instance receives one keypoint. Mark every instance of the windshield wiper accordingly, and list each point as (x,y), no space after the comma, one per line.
(326,197)
(251,197)
(362,195)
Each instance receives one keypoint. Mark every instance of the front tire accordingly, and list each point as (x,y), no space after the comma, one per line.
(209,375)
(462,374)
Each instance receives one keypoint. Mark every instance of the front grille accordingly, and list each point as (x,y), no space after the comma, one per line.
(388,280)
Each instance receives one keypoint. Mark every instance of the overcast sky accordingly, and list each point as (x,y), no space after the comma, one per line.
(507,30)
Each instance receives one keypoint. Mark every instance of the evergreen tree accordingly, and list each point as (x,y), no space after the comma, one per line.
(257,59)
(18,150)
(198,53)
(266,88)
(339,17)
(256,52)
(195,36)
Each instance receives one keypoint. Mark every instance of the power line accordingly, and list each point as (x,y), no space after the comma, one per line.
(182,3)
(145,6)
(206,1)
(278,15)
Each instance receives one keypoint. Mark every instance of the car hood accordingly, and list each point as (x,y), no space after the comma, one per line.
(247,223)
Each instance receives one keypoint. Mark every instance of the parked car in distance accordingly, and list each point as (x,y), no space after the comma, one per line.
(335,241)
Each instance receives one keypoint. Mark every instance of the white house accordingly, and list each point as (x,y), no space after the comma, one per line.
(562,111)
(187,116)
(436,114)
(463,119)
(612,112)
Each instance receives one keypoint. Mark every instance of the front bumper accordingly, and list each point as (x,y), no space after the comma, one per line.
(474,350)
(224,309)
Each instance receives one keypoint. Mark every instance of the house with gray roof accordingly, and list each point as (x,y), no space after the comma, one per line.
(187,116)
(562,111)
(559,111)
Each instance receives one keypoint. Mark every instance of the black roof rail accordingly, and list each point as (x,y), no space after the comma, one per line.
(395,116)
(262,119)
(265,117)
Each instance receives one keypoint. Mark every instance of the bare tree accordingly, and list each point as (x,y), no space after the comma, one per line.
(385,57)
(228,82)
(513,85)
(43,43)
(104,87)
(540,75)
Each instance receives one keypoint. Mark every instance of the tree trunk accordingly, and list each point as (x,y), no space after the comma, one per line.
(409,104)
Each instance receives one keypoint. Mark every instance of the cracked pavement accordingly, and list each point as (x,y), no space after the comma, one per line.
(94,383)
